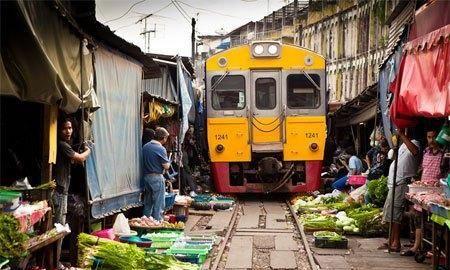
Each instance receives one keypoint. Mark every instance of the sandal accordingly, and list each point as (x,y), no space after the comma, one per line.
(383,246)
(408,253)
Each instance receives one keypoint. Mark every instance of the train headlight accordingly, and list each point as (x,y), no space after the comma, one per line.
(313,147)
(219,148)
(258,49)
(273,49)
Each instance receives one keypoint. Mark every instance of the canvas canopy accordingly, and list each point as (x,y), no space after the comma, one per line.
(42,59)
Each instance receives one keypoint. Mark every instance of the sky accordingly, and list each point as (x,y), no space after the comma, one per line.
(173,31)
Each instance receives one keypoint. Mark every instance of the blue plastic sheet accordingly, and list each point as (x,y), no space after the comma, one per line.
(387,74)
(114,167)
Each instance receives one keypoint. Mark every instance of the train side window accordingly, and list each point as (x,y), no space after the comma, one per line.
(265,93)
(301,93)
(229,93)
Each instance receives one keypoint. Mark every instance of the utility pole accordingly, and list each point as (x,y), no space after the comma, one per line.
(146,33)
(193,22)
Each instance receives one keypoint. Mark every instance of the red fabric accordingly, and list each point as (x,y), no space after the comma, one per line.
(422,87)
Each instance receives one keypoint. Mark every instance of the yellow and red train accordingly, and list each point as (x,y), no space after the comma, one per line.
(266,123)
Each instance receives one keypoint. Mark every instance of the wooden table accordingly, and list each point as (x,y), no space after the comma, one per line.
(45,250)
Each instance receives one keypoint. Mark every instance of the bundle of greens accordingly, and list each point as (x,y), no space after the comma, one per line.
(363,215)
(378,190)
(114,255)
(333,236)
(12,241)
(314,222)
(166,262)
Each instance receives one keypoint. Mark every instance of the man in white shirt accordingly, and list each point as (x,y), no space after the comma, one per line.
(406,168)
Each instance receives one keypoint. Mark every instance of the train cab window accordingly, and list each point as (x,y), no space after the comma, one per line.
(301,93)
(265,93)
(228,93)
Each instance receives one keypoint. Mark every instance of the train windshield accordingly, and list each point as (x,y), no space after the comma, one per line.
(228,92)
(266,93)
(301,92)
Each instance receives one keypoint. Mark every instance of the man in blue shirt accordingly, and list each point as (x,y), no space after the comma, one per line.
(155,161)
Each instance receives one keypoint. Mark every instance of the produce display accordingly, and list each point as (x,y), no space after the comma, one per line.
(347,224)
(328,235)
(42,237)
(318,222)
(335,213)
(12,241)
(102,253)
(377,190)
(149,222)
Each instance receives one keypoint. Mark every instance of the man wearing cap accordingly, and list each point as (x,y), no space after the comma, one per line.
(155,161)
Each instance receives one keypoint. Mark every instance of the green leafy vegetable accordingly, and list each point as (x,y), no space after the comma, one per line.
(114,255)
(378,190)
(12,241)
(318,222)
(329,235)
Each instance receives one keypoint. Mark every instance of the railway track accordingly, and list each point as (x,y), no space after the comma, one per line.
(263,234)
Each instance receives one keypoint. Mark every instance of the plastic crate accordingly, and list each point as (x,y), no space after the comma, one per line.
(357,180)
(327,243)
(440,210)
(169,201)
(201,254)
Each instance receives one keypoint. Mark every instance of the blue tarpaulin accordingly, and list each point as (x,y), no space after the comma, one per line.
(387,74)
(114,167)
(185,87)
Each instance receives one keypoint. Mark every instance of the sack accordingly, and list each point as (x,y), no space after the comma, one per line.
(121,226)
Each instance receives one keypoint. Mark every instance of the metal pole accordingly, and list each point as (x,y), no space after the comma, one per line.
(394,184)
(179,116)
(193,22)
(86,191)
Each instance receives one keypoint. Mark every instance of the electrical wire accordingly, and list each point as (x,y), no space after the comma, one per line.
(155,12)
(129,9)
(181,12)
(211,11)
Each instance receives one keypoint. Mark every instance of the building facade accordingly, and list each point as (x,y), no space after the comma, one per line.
(352,35)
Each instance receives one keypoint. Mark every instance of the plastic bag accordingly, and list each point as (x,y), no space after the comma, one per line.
(121,226)
(358,194)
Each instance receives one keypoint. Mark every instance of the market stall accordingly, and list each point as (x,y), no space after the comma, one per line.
(28,236)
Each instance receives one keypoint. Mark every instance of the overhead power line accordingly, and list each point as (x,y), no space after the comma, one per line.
(211,11)
(184,14)
(155,12)
(129,9)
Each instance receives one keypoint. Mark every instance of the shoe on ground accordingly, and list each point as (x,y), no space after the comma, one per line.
(192,194)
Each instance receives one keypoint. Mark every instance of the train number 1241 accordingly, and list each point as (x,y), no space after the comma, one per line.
(221,137)
(312,135)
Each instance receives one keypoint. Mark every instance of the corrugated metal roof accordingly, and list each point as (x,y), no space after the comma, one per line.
(398,25)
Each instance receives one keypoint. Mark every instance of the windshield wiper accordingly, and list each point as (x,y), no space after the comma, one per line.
(310,79)
(213,87)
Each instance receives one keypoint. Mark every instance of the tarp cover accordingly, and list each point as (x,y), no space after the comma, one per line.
(41,58)
(422,87)
(185,97)
(387,75)
(114,167)
(162,87)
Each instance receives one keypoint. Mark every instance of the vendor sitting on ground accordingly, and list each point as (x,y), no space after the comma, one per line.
(354,167)
(380,164)
(155,161)
(431,173)
(406,169)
